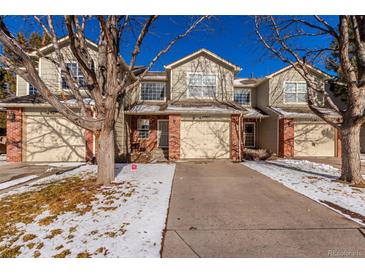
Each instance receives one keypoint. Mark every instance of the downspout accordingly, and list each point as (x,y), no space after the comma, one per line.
(240,137)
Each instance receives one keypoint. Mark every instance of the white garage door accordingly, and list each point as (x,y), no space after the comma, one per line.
(53,139)
(314,140)
(208,139)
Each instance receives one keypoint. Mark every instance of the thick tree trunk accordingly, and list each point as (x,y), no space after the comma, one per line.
(106,157)
(351,163)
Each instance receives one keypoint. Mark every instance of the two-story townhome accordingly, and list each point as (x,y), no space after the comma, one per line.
(197,108)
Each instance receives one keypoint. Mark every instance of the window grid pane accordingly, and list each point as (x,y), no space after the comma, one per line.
(76,73)
(143,128)
(32,90)
(295,92)
(201,85)
(249,135)
(242,97)
(153,91)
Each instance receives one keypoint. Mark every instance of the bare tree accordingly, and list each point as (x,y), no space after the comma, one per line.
(280,35)
(108,78)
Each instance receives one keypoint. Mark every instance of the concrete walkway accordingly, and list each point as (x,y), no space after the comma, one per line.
(221,209)
(12,171)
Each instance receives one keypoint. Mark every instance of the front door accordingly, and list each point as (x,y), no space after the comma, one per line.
(163,133)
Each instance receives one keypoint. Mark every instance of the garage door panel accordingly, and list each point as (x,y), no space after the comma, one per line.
(53,139)
(314,140)
(205,139)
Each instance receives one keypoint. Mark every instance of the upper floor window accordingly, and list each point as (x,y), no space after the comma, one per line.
(153,91)
(32,90)
(201,85)
(295,92)
(242,97)
(76,73)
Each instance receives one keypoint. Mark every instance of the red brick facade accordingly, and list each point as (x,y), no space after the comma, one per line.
(150,143)
(14,134)
(89,140)
(174,137)
(286,138)
(235,137)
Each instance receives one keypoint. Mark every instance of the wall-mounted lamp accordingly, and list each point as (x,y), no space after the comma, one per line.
(12,116)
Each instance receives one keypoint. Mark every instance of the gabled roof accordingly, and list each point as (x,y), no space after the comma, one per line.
(290,66)
(207,52)
(62,41)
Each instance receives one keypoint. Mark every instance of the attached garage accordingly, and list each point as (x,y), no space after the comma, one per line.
(49,137)
(314,139)
(205,137)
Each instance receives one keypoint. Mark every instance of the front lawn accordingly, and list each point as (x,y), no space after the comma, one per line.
(318,182)
(70,215)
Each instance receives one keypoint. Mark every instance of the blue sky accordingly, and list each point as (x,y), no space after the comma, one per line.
(231,37)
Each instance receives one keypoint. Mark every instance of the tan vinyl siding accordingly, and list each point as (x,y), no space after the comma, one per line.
(206,65)
(22,86)
(267,133)
(121,138)
(262,94)
(276,95)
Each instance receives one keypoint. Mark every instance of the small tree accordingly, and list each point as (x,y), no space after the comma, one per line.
(280,35)
(109,79)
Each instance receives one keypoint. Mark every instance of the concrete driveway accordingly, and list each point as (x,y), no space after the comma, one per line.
(222,209)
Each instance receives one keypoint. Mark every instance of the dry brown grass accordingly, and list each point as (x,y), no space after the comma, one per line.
(29,237)
(63,254)
(59,197)
(84,254)
(54,233)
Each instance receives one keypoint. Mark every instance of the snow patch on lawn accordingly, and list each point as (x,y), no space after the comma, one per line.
(131,226)
(16,181)
(314,180)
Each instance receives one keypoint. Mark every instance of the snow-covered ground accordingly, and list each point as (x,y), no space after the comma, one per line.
(16,181)
(132,225)
(314,180)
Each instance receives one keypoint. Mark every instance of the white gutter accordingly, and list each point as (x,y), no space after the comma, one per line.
(240,137)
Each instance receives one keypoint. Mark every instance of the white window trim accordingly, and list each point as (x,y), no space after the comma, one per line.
(201,73)
(140,93)
(28,85)
(244,89)
(254,133)
(149,129)
(294,103)
(158,129)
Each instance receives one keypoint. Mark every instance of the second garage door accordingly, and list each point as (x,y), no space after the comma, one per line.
(53,139)
(314,139)
(205,138)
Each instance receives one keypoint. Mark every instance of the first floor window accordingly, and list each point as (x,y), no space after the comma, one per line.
(242,97)
(32,90)
(76,74)
(143,127)
(249,134)
(201,85)
(153,91)
(295,92)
